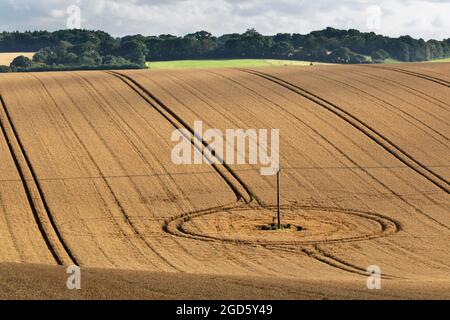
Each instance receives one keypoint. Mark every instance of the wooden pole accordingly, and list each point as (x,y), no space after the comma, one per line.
(278,199)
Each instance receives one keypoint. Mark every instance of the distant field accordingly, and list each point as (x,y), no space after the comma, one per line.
(440,60)
(245,63)
(234,63)
(7,57)
(391,61)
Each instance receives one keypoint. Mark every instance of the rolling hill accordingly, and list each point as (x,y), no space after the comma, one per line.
(87,176)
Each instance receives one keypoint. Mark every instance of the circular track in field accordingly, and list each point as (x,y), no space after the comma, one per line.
(242,225)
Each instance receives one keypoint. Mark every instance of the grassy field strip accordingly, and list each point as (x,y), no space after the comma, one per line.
(248,63)
(233,63)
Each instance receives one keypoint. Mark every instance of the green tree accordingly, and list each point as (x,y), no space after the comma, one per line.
(297,40)
(346,56)
(282,49)
(89,59)
(133,50)
(21,62)
(115,61)
(379,55)
(283,37)
(5,69)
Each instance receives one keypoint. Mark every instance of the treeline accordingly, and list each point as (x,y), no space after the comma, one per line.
(84,48)
(329,45)
(72,50)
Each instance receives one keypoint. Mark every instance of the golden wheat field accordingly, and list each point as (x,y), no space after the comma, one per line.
(7,57)
(86,178)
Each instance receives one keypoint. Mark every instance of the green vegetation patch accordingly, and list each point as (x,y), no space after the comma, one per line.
(231,63)
(440,60)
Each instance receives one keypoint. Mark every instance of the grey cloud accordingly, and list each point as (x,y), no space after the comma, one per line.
(419,18)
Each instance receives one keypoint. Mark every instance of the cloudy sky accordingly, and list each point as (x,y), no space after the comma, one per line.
(418,18)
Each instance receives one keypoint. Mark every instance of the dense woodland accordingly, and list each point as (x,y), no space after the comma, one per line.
(84,49)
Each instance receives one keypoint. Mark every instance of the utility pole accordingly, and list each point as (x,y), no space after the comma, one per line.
(278,199)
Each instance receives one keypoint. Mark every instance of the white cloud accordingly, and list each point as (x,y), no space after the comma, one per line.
(58,14)
(418,18)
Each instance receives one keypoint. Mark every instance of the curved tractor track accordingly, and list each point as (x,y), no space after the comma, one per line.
(34,193)
(370,132)
(420,75)
(238,186)
(384,226)
(175,226)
